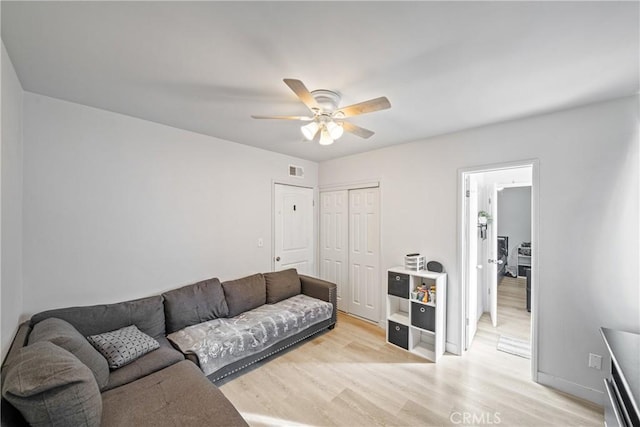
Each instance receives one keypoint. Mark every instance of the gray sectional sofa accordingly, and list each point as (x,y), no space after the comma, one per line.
(143,362)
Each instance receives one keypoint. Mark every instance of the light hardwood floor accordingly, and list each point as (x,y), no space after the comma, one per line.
(350,377)
(513,318)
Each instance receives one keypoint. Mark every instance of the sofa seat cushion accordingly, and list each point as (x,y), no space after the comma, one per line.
(64,335)
(151,362)
(178,396)
(220,342)
(193,304)
(52,387)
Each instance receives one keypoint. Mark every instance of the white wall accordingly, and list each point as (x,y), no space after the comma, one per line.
(118,208)
(514,216)
(588,235)
(11,211)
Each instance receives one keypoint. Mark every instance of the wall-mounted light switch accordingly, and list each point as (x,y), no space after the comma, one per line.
(260,242)
(595,361)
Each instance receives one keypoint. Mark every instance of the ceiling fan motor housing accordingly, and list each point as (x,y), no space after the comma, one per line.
(327,100)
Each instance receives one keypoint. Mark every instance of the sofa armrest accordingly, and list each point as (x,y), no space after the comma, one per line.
(9,415)
(321,289)
(19,341)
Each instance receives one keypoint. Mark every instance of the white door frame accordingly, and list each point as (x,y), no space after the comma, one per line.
(535,229)
(273,223)
(471,266)
(492,253)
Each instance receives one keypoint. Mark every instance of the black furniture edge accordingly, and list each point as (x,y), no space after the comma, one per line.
(622,387)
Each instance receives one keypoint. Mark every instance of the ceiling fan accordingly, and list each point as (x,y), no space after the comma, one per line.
(328,118)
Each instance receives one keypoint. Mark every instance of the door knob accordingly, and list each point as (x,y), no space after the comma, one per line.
(493,261)
(277,259)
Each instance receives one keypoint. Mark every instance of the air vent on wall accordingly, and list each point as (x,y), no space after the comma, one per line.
(296,171)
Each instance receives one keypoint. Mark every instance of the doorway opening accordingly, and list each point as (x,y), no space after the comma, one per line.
(498,229)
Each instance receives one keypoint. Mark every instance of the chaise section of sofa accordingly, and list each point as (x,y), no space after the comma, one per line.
(179,395)
(53,376)
(50,386)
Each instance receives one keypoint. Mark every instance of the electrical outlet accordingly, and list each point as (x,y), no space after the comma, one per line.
(595,361)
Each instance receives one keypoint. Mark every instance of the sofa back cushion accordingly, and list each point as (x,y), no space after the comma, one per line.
(245,294)
(282,285)
(64,335)
(146,313)
(194,304)
(51,387)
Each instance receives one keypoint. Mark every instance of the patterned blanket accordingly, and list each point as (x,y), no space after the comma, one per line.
(220,342)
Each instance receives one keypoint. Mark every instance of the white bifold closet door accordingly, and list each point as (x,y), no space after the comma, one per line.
(334,242)
(350,248)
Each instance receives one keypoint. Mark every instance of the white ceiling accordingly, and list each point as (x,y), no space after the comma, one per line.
(207,66)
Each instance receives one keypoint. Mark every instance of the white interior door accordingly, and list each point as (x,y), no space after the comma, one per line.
(471,231)
(492,251)
(364,252)
(293,229)
(334,245)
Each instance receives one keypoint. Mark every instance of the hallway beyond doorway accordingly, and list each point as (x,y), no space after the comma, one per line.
(514,319)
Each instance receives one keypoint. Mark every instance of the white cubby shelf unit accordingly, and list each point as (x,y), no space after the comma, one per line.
(413,325)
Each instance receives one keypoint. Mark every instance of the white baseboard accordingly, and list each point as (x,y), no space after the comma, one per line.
(595,396)
(452,348)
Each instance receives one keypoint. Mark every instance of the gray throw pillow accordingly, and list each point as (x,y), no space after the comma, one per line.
(193,304)
(64,335)
(123,346)
(51,387)
(245,294)
(282,285)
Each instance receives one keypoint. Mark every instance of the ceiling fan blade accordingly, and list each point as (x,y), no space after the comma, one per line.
(303,93)
(369,106)
(357,130)
(301,118)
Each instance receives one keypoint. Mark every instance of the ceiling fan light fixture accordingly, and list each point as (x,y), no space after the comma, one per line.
(335,130)
(325,137)
(328,118)
(309,130)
